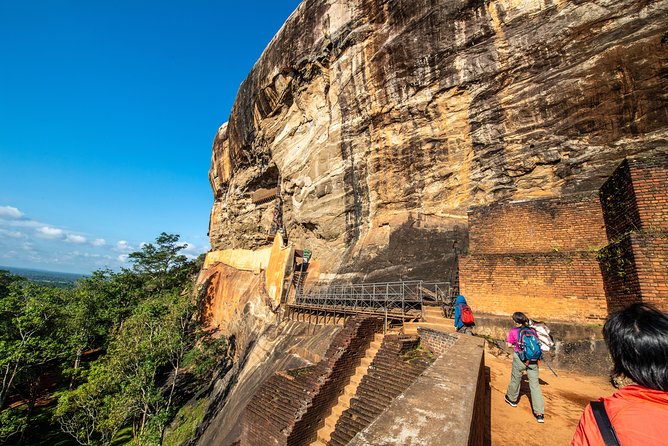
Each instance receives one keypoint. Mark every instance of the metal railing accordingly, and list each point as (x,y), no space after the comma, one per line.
(402,298)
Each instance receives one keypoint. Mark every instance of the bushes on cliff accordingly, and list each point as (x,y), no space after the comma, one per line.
(127,385)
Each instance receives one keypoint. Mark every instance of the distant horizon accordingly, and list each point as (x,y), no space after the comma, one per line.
(20,268)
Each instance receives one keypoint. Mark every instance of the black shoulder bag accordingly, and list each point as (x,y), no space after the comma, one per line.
(604,425)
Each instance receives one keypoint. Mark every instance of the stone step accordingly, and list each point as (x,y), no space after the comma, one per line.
(432,310)
(349,391)
(324,434)
(366,361)
(339,409)
(330,424)
(433,313)
(355,380)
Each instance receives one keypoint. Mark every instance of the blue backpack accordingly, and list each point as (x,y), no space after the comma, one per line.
(530,351)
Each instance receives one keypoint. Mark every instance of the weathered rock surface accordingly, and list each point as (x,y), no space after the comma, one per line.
(385,120)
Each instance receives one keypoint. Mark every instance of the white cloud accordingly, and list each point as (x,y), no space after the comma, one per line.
(98,242)
(122,258)
(12,234)
(73,238)
(122,245)
(10,212)
(49,232)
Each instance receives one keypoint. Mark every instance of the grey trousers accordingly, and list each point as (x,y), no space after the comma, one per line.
(513,392)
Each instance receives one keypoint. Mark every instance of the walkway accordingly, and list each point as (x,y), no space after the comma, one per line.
(402,300)
(565,398)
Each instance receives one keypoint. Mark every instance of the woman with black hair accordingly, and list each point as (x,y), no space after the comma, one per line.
(638,413)
(516,339)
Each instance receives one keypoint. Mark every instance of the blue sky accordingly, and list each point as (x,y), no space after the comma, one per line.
(107,115)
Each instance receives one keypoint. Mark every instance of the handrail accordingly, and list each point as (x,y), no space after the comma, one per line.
(378,297)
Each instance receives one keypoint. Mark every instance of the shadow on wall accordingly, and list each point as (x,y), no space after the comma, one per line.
(413,252)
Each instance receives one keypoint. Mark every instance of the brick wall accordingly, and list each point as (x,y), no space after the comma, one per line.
(550,286)
(635,269)
(571,223)
(436,341)
(289,407)
(619,203)
(635,208)
(650,252)
(635,197)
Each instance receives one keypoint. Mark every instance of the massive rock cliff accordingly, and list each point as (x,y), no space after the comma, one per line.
(385,120)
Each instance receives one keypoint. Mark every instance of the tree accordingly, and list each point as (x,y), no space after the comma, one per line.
(143,319)
(6,279)
(31,343)
(151,342)
(29,334)
(161,263)
(99,304)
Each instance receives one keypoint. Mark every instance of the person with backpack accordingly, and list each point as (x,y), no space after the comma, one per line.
(637,414)
(526,356)
(544,336)
(464,320)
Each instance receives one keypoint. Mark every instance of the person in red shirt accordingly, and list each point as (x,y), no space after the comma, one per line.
(637,338)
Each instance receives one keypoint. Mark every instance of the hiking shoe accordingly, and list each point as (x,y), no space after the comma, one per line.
(540,418)
(507,400)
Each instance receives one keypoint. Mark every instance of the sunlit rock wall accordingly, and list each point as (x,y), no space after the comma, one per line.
(386,120)
(243,288)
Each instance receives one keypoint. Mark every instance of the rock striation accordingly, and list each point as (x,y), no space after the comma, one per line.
(384,120)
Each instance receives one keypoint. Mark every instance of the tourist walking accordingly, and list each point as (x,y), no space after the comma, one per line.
(527,353)
(637,414)
(464,321)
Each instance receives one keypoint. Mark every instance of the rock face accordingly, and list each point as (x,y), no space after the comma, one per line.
(383,121)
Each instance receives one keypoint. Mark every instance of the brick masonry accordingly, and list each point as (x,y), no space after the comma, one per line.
(573,258)
(635,269)
(395,367)
(290,407)
(635,208)
(570,223)
(635,197)
(436,341)
(550,286)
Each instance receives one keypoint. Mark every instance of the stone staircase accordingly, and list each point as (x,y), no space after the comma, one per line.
(395,367)
(432,318)
(343,403)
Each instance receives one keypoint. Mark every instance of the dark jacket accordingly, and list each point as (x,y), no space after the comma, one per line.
(460,300)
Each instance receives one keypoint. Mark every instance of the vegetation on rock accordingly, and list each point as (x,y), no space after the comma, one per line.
(105,357)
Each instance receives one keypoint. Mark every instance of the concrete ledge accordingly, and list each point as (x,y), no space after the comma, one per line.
(438,409)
